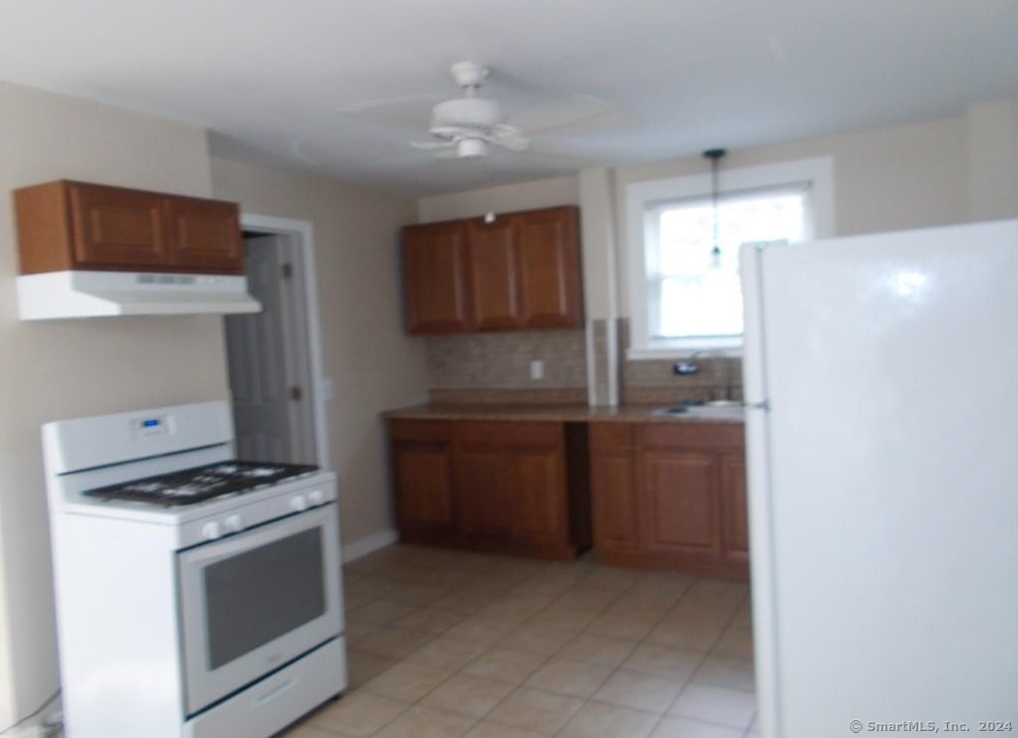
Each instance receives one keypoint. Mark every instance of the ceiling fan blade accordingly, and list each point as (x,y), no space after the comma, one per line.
(559,113)
(367,106)
(447,153)
(509,137)
(432,145)
(400,111)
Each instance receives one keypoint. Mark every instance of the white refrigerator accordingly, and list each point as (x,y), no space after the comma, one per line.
(881,379)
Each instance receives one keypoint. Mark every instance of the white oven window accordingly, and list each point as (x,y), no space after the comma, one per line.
(254,597)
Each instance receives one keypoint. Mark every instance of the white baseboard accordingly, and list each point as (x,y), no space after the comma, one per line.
(364,546)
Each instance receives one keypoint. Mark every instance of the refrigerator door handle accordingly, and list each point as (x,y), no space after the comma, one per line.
(764,405)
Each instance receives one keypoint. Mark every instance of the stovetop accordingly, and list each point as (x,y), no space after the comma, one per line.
(200,483)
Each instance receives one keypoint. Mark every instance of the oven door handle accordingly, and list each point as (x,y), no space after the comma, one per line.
(276,692)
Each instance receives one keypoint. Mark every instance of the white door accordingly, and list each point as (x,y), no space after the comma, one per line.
(268,364)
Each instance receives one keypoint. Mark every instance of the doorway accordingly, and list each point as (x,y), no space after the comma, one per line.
(274,357)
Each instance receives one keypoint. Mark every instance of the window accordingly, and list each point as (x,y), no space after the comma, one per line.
(685,297)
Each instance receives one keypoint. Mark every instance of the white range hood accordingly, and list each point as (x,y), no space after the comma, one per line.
(86,294)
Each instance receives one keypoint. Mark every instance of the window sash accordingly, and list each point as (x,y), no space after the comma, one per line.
(727,305)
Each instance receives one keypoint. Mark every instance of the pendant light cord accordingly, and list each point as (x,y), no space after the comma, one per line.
(714,155)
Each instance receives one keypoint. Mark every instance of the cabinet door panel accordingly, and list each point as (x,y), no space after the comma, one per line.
(734,509)
(434,274)
(680,493)
(492,259)
(482,501)
(538,495)
(206,236)
(549,270)
(423,486)
(615,500)
(116,228)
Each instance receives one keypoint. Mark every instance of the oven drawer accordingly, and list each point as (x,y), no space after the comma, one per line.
(254,602)
(270,705)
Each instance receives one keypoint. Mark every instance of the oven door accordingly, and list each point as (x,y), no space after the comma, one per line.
(256,601)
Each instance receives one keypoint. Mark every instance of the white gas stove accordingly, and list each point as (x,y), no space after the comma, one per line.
(197,595)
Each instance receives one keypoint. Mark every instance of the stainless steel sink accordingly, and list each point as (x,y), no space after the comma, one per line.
(714,409)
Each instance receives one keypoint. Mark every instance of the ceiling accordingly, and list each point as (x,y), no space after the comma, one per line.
(274,80)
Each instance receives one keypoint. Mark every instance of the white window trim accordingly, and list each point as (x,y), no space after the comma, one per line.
(816,172)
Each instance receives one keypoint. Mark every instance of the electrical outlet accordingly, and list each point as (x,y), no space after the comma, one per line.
(537,369)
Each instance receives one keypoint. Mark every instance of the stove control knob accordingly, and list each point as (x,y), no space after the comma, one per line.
(316,497)
(210,531)
(233,523)
(299,503)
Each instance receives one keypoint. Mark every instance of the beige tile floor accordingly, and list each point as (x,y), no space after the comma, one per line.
(449,644)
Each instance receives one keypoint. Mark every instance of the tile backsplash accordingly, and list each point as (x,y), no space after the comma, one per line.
(654,382)
(495,368)
(469,364)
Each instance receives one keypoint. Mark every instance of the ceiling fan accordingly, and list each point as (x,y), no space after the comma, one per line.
(472,126)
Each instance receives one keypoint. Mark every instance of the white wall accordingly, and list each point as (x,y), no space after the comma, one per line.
(374,365)
(63,369)
(992,141)
(502,199)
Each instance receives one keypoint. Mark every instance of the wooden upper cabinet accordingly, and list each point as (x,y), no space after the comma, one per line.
(518,271)
(75,225)
(492,256)
(117,228)
(549,268)
(206,234)
(434,278)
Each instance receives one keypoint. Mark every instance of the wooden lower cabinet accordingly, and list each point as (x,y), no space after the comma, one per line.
(484,506)
(734,509)
(536,480)
(613,488)
(499,485)
(680,503)
(422,473)
(671,495)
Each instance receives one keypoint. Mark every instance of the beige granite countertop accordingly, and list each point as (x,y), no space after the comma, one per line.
(555,413)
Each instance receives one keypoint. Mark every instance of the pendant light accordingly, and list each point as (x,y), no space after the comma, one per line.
(715,155)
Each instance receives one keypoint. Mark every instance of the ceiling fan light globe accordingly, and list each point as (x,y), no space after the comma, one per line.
(468,148)
(466,112)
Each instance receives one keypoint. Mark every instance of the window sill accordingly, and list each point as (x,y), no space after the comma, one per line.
(728,348)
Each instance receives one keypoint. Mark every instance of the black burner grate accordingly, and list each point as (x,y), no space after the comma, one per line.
(189,486)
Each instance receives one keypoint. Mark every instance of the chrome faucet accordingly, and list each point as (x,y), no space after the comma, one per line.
(688,367)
